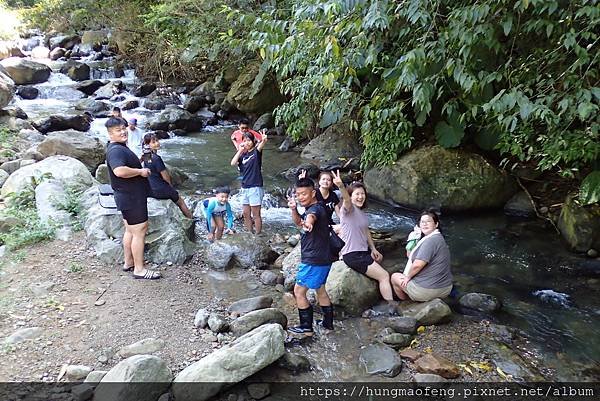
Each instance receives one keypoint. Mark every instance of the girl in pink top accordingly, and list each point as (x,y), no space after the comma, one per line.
(360,253)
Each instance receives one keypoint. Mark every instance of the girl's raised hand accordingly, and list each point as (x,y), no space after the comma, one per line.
(302,174)
(337,179)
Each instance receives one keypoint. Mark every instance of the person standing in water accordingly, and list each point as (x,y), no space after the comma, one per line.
(135,137)
(237,135)
(315,260)
(248,158)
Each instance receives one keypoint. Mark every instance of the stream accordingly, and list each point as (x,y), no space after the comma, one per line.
(553,296)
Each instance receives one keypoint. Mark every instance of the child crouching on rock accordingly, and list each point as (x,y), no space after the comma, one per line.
(315,258)
(215,210)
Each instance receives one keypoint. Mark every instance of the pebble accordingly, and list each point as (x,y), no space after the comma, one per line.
(102,359)
(592,253)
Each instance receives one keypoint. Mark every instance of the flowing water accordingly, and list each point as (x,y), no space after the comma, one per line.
(548,293)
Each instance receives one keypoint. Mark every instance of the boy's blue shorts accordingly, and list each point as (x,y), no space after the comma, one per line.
(312,276)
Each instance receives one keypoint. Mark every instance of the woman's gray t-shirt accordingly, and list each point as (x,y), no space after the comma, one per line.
(354,224)
(436,273)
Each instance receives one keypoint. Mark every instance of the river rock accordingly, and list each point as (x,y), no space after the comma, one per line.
(174,118)
(109,90)
(194,103)
(426,378)
(381,359)
(101,174)
(67,170)
(31,135)
(28,92)
(64,41)
(254,319)
(91,40)
(76,71)
(509,361)
(78,122)
(269,277)
(334,147)
(160,98)
(167,240)
(40,53)
(480,302)
(28,333)
(137,378)
(7,223)
(519,205)
(250,304)
(410,354)
(402,324)
(434,364)
(98,108)
(264,121)
(7,90)
(397,340)
(95,376)
(11,166)
(24,71)
(57,53)
(294,362)
(258,391)
(82,392)
(3,177)
(217,323)
(50,201)
(90,86)
(349,290)
(205,89)
(230,364)
(77,372)
(90,151)
(207,116)
(290,264)
(144,89)
(580,225)
(246,99)
(178,177)
(201,318)
(451,179)
(145,346)
(241,250)
(427,313)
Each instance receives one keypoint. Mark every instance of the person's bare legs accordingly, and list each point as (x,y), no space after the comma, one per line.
(300,296)
(128,256)
(257,218)
(375,271)
(184,209)
(247,217)
(138,233)
(220,227)
(396,279)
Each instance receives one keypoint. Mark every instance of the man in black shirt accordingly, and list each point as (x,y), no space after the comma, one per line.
(130,185)
(315,258)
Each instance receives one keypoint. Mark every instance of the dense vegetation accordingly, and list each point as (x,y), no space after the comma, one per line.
(519,77)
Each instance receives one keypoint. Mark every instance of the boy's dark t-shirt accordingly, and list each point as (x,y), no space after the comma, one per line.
(156,166)
(329,203)
(314,245)
(250,165)
(129,192)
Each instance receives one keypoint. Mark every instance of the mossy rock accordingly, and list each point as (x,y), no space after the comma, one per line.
(580,225)
(267,97)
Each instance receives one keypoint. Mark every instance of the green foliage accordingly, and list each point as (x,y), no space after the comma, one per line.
(72,205)
(7,140)
(75,267)
(30,229)
(589,192)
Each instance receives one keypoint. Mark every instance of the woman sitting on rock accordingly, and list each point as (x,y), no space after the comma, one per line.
(359,252)
(160,180)
(427,274)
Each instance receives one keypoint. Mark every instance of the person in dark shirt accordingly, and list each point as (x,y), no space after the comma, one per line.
(249,160)
(315,260)
(130,185)
(325,194)
(159,179)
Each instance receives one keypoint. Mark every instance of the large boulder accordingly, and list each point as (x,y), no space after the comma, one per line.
(160,98)
(477,301)
(230,364)
(349,290)
(381,359)
(174,118)
(250,304)
(580,225)
(450,179)
(76,71)
(7,90)
(137,378)
(254,319)
(144,89)
(167,240)
(40,52)
(335,147)
(90,151)
(97,108)
(65,41)
(24,72)
(239,250)
(245,99)
(9,49)
(67,170)
(28,92)
(90,86)
(92,40)
(427,313)
(50,201)
(79,122)
(290,265)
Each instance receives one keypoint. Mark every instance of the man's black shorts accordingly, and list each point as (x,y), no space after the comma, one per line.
(358,261)
(137,214)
